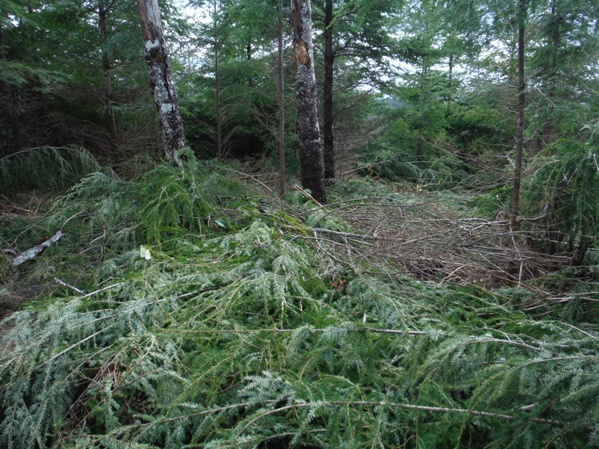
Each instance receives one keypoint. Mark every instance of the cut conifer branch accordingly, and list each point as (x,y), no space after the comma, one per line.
(300,405)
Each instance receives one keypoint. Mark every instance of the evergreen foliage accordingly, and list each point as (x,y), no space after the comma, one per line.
(213,321)
(51,77)
(45,168)
(186,307)
(566,183)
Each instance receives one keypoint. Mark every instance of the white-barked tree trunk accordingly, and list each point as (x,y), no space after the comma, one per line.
(161,80)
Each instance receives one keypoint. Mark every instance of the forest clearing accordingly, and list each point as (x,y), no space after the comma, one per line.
(327,224)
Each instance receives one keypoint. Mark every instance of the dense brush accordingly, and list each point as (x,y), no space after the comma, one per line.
(230,329)
(45,168)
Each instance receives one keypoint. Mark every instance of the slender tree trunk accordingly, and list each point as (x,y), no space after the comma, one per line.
(450,85)
(329,64)
(219,155)
(312,167)
(521,106)
(421,112)
(248,51)
(555,38)
(553,236)
(161,80)
(450,71)
(110,122)
(281,105)
(9,101)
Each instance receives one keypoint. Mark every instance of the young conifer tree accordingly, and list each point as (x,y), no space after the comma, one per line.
(103,11)
(353,30)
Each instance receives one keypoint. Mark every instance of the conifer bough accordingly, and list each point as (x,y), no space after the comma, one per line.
(161,80)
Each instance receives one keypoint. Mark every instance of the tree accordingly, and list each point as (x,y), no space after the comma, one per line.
(312,168)
(522,13)
(427,86)
(161,80)
(329,63)
(244,33)
(28,71)
(6,91)
(509,19)
(561,63)
(103,11)
(53,63)
(281,100)
(562,77)
(355,30)
(215,16)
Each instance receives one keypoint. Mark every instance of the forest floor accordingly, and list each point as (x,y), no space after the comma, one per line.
(197,304)
(437,236)
(14,213)
(432,236)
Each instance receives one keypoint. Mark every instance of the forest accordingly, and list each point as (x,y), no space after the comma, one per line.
(299,224)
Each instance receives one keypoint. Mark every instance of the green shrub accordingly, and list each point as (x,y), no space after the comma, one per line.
(45,168)
(234,336)
(567,183)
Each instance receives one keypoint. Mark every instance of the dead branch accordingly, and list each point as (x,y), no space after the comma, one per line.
(70,287)
(32,253)
(426,238)
(307,195)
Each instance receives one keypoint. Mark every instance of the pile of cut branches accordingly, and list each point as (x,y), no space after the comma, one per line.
(196,310)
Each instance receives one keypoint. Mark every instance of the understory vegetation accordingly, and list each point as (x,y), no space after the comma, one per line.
(189,308)
(433,283)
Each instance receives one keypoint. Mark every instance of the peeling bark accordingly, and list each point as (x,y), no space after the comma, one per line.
(311,160)
(161,80)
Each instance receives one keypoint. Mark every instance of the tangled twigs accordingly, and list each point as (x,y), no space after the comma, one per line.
(431,241)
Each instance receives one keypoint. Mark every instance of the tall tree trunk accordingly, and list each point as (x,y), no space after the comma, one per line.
(110,122)
(248,51)
(161,80)
(521,106)
(421,112)
(281,99)
(450,85)
(329,64)
(312,168)
(9,101)
(219,155)
(555,39)
(451,55)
